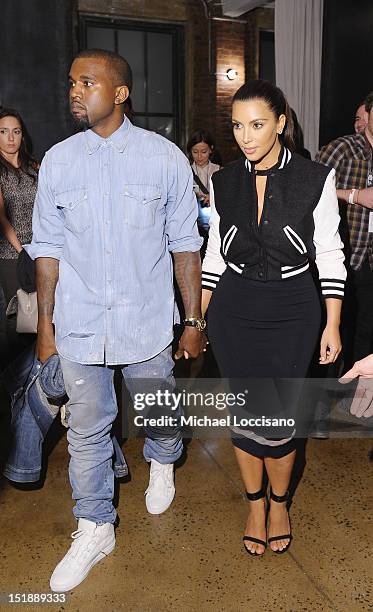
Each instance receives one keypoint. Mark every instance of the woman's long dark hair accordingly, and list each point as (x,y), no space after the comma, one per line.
(27,163)
(197,137)
(274,98)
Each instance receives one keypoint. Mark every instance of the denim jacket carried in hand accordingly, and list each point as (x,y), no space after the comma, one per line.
(37,393)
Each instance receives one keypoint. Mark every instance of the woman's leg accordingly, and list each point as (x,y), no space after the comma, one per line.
(251,469)
(279,473)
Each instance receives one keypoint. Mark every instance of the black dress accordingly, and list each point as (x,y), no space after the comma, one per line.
(262,330)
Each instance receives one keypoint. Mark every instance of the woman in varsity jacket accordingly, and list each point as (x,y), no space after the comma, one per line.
(272,212)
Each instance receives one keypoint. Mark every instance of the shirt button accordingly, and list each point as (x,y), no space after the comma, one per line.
(265,221)
(260,265)
(270,197)
(108,308)
(260,274)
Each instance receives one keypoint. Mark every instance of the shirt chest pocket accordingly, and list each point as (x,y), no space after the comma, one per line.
(74,204)
(140,204)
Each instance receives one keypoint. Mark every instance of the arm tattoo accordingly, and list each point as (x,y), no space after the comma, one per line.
(46,281)
(188,276)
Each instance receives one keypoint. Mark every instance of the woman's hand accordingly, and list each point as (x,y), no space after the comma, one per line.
(330,345)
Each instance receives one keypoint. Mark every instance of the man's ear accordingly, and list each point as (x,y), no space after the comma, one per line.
(121,94)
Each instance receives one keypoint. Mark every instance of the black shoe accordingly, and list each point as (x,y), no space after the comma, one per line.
(321,422)
(320,431)
(280,499)
(254,497)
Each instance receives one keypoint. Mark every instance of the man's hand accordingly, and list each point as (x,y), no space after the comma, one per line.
(45,343)
(191,344)
(365,197)
(362,404)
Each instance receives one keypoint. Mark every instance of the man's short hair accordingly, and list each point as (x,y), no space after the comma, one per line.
(369,102)
(118,68)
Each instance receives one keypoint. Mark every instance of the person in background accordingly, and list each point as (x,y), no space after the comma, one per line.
(361,119)
(362,404)
(200,148)
(352,158)
(18,184)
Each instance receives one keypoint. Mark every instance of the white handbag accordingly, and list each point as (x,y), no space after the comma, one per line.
(27,312)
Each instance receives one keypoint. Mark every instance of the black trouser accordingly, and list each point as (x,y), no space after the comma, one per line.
(363,284)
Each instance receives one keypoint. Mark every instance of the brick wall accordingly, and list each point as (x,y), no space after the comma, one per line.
(230,53)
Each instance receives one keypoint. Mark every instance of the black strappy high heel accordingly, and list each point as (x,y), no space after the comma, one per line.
(254,497)
(280,499)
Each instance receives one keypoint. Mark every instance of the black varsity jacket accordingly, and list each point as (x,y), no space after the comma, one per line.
(299,223)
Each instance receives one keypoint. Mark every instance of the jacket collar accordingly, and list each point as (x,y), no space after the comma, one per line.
(118,140)
(283,159)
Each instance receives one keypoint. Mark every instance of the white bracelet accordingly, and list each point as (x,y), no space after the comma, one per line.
(351,196)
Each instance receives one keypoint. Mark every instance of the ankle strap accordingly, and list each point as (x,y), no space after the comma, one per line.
(280,498)
(254,496)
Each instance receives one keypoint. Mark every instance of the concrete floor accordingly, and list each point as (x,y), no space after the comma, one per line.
(191,558)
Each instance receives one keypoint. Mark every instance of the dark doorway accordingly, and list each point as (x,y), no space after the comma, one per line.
(267,56)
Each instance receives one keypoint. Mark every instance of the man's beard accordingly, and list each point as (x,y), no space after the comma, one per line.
(81,123)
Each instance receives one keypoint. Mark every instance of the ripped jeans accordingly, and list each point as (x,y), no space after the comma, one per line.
(92,410)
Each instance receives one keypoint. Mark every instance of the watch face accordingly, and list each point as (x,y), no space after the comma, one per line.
(202,324)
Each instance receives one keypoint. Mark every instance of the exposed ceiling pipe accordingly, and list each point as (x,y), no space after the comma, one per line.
(208,17)
(206,7)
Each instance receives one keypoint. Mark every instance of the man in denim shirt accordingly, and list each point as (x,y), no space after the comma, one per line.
(113,203)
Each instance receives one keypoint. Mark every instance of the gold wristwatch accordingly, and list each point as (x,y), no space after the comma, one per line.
(200,324)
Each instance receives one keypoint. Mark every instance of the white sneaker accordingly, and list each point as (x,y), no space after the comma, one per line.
(161,489)
(91,544)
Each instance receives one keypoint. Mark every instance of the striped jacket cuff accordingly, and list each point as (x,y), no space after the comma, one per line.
(210,280)
(332,288)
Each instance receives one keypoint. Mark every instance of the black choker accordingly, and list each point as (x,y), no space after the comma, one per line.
(272,168)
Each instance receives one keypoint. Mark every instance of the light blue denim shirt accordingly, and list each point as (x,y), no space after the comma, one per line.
(112,211)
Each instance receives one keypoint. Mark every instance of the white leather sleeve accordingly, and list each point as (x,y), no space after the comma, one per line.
(213,264)
(328,243)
